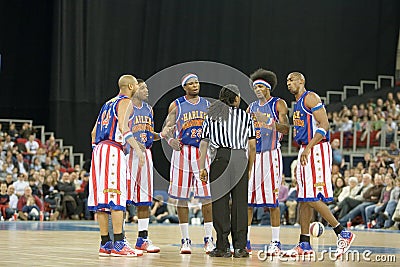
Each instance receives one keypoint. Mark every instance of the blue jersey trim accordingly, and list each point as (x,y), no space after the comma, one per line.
(314,199)
(268,205)
(110,206)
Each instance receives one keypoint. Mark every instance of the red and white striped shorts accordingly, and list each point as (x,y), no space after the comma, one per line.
(184,174)
(266,179)
(314,180)
(140,186)
(108,176)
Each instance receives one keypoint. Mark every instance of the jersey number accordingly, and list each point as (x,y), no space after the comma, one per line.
(105,118)
(143,137)
(196,133)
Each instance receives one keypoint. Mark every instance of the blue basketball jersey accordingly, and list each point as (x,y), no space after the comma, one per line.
(267,137)
(189,120)
(141,124)
(304,122)
(107,122)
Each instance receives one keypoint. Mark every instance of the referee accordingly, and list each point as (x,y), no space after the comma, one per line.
(228,131)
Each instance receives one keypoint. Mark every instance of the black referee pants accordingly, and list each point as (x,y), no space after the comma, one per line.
(229,180)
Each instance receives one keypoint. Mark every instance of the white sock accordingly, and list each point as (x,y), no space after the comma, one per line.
(184,230)
(275,233)
(208,226)
(143,224)
(248,232)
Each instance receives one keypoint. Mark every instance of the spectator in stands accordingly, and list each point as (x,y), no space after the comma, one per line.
(3,171)
(48,165)
(356,123)
(83,193)
(12,132)
(35,189)
(9,180)
(348,191)
(371,196)
(31,211)
(362,111)
(391,205)
(21,165)
(31,146)
(41,155)
(344,112)
(52,197)
(336,121)
(347,128)
(337,155)
(51,146)
(379,105)
(388,129)
(13,198)
(354,111)
(371,212)
(8,143)
(367,160)
(159,211)
(351,201)
(21,184)
(337,190)
(26,130)
(69,197)
(64,162)
(5,211)
(36,164)
(23,201)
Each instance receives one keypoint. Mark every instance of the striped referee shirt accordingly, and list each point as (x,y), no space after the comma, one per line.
(233,133)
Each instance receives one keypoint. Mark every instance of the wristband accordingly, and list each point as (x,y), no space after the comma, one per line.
(160,135)
(169,141)
(127,135)
(321,131)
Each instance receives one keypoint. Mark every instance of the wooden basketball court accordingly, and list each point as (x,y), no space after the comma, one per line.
(70,243)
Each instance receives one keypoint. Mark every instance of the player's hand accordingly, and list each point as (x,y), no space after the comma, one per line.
(304,156)
(203,175)
(167,132)
(175,144)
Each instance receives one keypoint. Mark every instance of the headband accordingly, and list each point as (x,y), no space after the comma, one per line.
(188,77)
(259,81)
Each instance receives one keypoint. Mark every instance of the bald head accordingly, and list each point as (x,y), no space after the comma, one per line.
(127,84)
(297,75)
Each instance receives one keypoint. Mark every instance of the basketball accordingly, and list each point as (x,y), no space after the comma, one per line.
(316,229)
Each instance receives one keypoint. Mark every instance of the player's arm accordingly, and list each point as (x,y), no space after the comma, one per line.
(314,103)
(283,125)
(124,109)
(169,125)
(252,147)
(93,134)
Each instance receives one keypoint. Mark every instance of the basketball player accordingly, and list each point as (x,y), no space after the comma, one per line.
(311,132)
(270,122)
(140,188)
(107,184)
(187,113)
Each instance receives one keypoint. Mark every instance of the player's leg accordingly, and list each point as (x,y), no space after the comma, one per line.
(142,195)
(179,188)
(202,191)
